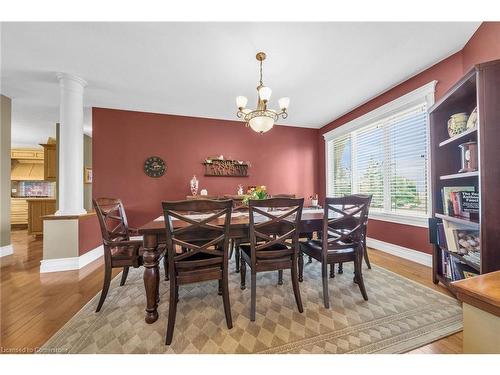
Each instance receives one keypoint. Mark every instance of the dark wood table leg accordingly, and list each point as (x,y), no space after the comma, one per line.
(151,277)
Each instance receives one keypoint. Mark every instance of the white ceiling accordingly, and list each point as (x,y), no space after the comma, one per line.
(197,69)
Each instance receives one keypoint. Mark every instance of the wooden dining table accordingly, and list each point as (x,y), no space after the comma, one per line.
(154,233)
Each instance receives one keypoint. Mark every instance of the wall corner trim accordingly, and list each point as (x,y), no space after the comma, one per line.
(400,251)
(68,264)
(6,250)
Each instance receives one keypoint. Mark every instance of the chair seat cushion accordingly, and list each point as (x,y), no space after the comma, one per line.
(314,249)
(199,260)
(130,250)
(275,252)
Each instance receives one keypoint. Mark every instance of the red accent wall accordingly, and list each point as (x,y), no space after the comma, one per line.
(89,233)
(483,46)
(285,159)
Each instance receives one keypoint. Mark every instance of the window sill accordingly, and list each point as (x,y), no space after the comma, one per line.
(416,221)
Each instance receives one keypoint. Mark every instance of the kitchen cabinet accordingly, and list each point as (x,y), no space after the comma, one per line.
(37,208)
(49,161)
(26,154)
(26,164)
(19,211)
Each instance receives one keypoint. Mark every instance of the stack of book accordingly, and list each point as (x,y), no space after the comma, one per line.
(454,269)
(460,242)
(473,257)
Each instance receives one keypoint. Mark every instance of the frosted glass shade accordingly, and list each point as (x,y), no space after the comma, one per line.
(261,124)
(265,93)
(284,103)
(241,101)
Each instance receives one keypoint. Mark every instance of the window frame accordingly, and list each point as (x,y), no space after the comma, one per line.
(424,94)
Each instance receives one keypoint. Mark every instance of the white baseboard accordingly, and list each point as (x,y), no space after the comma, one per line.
(6,250)
(400,251)
(68,264)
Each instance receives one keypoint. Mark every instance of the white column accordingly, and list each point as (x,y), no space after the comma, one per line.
(70,145)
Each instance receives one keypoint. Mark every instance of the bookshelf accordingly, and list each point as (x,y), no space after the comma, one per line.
(454,176)
(480,88)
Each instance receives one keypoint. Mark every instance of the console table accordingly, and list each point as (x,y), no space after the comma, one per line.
(481,308)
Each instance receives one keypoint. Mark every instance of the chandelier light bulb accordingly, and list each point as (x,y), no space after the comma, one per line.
(284,103)
(261,124)
(241,102)
(265,93)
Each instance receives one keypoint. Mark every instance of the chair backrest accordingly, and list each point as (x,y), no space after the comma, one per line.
(211,197)
(274,221)
(347,225)
(112,219)
(283,196)
(202,227)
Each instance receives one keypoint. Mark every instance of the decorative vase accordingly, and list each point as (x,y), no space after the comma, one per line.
(457,123)
(194,186)
(469,157)
(240,190)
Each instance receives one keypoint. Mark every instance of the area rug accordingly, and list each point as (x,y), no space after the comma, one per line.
(399,316)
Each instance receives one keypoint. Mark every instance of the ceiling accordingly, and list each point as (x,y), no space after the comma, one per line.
(197,69)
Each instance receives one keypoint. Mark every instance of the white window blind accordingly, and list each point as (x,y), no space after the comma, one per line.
(386,158)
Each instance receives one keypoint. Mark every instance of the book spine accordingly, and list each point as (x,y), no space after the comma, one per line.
(454,201)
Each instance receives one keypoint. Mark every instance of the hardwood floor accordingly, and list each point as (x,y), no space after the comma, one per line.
(34,306)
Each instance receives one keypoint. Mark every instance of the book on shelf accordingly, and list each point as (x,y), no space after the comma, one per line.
(473,257)
(460,201)
(441,237)
(453,269)
(459,240)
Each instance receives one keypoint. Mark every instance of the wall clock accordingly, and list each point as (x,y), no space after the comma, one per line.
(154,166)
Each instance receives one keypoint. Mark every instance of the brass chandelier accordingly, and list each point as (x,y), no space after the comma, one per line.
(261,119)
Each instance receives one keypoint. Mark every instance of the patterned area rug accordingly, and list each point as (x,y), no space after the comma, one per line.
(399,316)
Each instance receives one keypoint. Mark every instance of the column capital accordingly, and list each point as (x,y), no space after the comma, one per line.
(66,77)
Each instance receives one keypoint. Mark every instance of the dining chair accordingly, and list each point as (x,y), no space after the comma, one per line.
(283,196)
(342,239)
(363,241)
(306,235)
(211,197)
(120,251)
(205,249)
(274,242)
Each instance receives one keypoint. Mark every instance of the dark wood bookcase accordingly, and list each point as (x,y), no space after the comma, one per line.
(480,88)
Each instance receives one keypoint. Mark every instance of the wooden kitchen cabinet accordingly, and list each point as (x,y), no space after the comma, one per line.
(37,208)
(18,211)
(49,162)
(26,154)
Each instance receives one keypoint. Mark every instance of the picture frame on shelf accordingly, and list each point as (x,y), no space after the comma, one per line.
(467,240)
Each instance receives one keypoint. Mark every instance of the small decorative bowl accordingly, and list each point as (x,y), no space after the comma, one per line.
(457,123)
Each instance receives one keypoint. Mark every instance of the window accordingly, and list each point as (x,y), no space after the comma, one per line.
(385,153)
